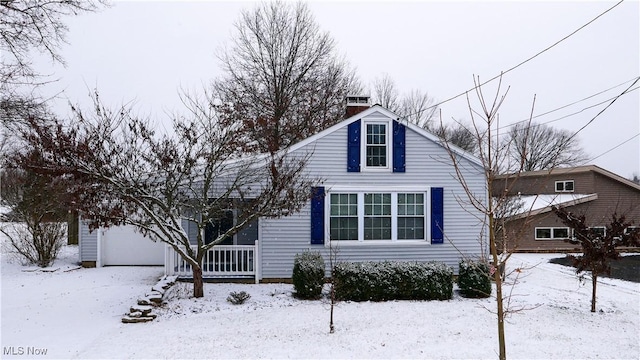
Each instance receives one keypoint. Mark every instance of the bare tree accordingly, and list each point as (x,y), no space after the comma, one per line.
(494,156)
(125,173)
(28,25)
(419,108)
(598,248)
(283,81)
(459,135)
(416,107)
(542,147)
(385,93)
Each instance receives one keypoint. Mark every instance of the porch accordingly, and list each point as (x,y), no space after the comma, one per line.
(220,262)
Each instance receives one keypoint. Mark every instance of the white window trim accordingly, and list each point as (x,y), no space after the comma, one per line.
(363,146)
(552,228)
(564,186)
(604,229)
(360,191)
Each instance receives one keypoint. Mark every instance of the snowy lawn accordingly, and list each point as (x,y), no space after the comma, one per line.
(75,313)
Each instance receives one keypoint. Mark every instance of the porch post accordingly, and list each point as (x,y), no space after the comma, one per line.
(256,262)
(169,261)
(166,260)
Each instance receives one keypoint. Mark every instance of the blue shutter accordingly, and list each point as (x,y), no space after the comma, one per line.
(398,147)
(437,216)
(353,147)
(317,215)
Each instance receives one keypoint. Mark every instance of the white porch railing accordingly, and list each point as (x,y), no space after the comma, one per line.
(221,261)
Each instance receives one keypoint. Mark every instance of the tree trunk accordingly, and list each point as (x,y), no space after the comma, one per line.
(497,277)
(198,285)
(594,282)
(501,339)
(72,227)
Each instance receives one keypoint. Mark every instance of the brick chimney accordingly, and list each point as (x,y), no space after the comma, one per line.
(357,104)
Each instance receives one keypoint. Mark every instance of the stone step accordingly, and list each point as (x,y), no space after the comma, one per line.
(132,320)
(143,309)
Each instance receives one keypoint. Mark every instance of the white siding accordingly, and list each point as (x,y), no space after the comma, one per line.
(427,165)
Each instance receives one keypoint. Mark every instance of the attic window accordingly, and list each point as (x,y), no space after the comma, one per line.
(564,186)
(376,145)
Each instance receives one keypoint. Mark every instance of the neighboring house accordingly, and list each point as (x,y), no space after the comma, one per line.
(584,190)
(388,192)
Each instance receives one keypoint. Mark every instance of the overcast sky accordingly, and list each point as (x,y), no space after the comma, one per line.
(145,51)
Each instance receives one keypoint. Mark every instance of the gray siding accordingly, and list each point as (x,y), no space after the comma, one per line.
(613,197)
(88,243)
(191,228)
(427,164)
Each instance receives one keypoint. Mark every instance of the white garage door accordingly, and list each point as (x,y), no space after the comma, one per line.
(122,245)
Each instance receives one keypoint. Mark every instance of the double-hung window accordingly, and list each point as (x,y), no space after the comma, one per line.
(377,216)
(411,216)
(373,216)
(343,223)
(376,145)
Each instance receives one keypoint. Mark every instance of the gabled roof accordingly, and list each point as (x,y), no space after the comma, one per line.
(378,108)
(575,170)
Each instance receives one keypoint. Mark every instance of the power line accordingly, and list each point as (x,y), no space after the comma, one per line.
(575,102)
(518,65)
(603,110)
(615,147)
(612,100)
(574,113)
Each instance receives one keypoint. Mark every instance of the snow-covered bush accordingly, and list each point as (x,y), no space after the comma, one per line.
(308,275)
(238,298)
(474,279)
(380,281)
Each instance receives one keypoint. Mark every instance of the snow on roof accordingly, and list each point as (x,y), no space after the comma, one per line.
(536,204)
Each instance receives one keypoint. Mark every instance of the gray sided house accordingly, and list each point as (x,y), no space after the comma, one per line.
(584,190)
(388,191)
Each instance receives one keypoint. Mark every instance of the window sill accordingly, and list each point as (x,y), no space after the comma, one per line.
(354,243)
(375,169)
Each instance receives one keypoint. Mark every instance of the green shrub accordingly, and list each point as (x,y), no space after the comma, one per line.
(381,281)
(473,279)
(308,275)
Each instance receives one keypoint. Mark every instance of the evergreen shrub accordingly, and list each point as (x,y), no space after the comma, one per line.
(381,281)
(308,275)
(474,279)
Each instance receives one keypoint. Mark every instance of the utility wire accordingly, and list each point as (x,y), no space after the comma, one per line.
(518,65)
(615,147)
(573,103)
(568,115)
(603,110)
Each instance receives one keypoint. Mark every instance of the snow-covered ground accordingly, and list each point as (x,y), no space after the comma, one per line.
(75,313)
